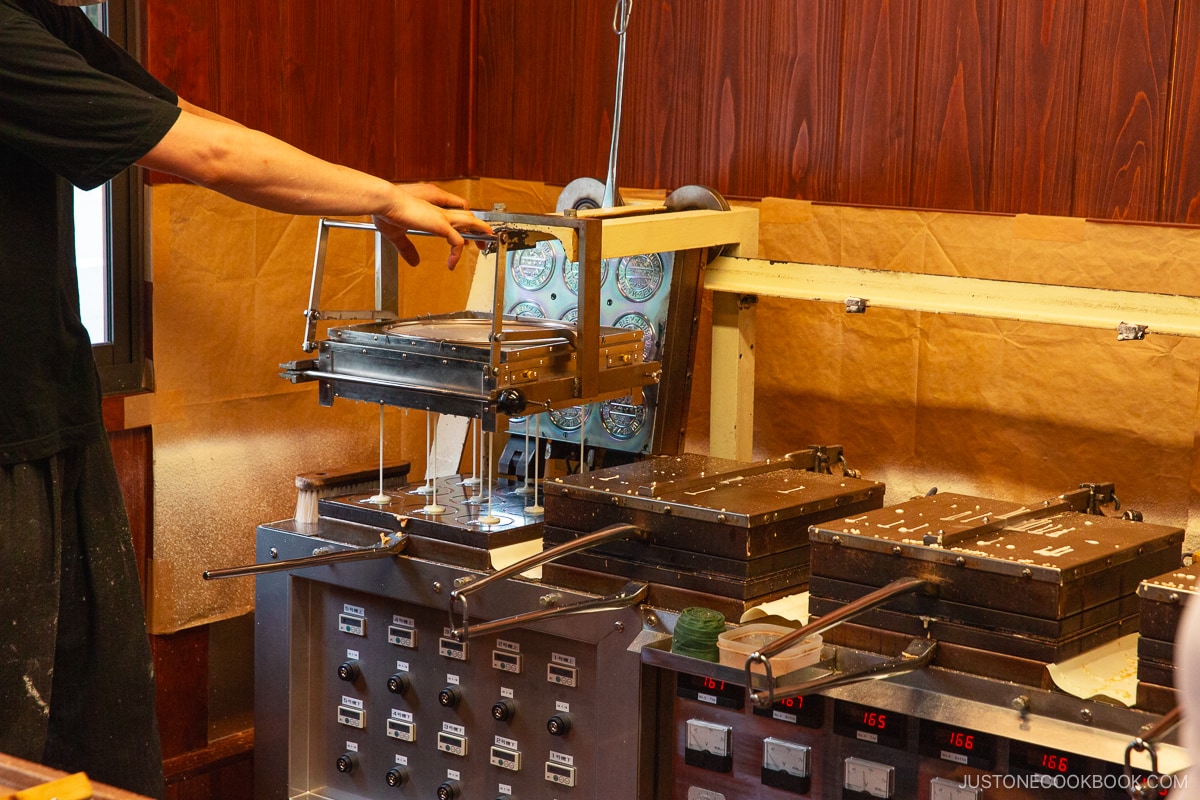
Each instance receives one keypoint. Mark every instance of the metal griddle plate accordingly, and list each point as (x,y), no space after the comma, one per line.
(708,505)
(460,524)
(1048,566)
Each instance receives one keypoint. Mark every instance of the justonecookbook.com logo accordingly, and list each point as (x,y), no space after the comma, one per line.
(1085,782)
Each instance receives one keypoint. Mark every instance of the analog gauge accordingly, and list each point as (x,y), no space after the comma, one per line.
(782,756)
(944,789)
(877,780)
(571,274)
(570,419)
(639,322)
(639,277)
(708,737)
(622,419)
(527,308)
(533,268)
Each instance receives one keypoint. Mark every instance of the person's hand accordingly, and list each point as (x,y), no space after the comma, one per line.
(425,207)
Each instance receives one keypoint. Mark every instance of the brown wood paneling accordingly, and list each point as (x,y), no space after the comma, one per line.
(544,62)
(662,127)
(1122,109)
(1181,195)
(182,48)
(310,78)
(132,457)
(876,130)
(736,105)
(802,82)
(181,680)
(250,55)
(432,113)
(495,65)
(590,65)
(365,61)
(955,104)
(1037,85)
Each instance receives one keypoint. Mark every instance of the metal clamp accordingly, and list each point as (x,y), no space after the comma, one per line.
(608,534)
(1146,743)
(918,654)
(389,545)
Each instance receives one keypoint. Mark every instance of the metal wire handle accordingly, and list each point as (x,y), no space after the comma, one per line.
(620,26)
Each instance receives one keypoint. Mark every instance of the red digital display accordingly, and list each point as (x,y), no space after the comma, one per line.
(1055,762)
(874,720)
(792,703)
(713,684)
(961,740)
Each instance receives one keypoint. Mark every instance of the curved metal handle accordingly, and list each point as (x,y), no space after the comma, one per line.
(609,534)
(906,662)
(1146,743)
(389,545)
(631,594)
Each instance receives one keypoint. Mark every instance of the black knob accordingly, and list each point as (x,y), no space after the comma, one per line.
(504,710)
(450,790)
(397,776)
(450,697)
(399,683)
(346,763)
(559,724)
(511,402)
(349,671)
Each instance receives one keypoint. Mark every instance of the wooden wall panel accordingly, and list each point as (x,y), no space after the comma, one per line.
(310,84)
(955,104)
(249,58)
(1181,195)
(1037,86)
(802,87)
(735,102)
(433,105)
(661,134)
(878,88)
(591,62)
(1122,109)
(365,45)
(495,68)
(545,63)
(181,39)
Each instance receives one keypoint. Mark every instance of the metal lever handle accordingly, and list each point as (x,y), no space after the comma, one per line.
(1146,743)
(620,27)
(631,594)
(609,534)
(919,656)
(389,545)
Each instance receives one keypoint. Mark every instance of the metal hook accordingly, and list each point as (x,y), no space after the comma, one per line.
(621,16)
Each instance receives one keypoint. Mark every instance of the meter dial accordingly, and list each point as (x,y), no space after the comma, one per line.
(877,780)
(533,268)
(783,756)
(622,419)
(708,737)
(639,277)
(570,274)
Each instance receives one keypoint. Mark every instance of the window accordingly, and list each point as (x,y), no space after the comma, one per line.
(108,225)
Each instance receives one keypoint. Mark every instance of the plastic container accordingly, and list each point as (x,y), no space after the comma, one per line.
(737,644)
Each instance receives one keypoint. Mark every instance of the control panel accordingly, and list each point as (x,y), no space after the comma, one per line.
(814,746)
(382,700)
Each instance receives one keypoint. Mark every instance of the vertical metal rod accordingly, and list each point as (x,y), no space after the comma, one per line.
(382,496)
(620,26)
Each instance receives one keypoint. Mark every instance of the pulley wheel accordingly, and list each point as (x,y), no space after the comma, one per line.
(698,198)
(582,193)
(693,198)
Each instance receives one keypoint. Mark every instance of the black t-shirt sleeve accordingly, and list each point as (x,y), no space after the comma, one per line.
(72,100)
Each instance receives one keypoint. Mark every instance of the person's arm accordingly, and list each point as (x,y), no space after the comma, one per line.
(256,168)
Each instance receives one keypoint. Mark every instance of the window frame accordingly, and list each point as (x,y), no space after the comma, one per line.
(123,361)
